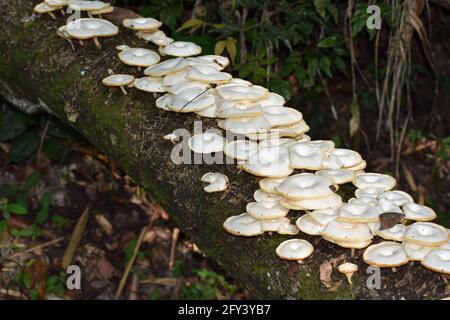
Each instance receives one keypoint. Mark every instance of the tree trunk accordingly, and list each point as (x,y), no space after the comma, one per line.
(39,70)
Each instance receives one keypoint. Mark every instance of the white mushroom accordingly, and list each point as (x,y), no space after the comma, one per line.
(348,269)
(268,162)
(207,142)
(166,67)
(305,185)
(139,57)
(414,211)
(181,49)
(91,28)
(142,24)
(118,80)
(149,84)
(385,254)
(374,180)
(266,210)
(394,233)
(426,233)
(240,149)
(355,213)
(294,249)
(243,225)
(309,226)
(438,260)
(217,182)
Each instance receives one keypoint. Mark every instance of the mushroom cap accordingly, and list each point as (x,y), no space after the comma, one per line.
(118,80)
(105,10)
(347,232)
(438,260)
(245,125)
(262,196)
(266,210)
(296,130)
(294,249)
(309,226)
(163,102)
(324,216)
(142,24)
(87,28)
(174,78)
(181,49)
(57,3)
(426,233)
(272,99)
(217,181)
(359,167)
(286,228)
(191,100)
(236,92)
(394,233)
(304,155)
(416,252)
(243,225)
(62,32)
(349,244)
(385,254)
(333,200)
(166,67)
(414,211)
(209,74)
(305,185)
(84,5)
(377,180)
(240,149)
(157,37)
(274,224)
(347,267)
(397,197)
(210,59)
(139,57)
(44,8)
(281,116)
(384,205)
(149,84)
(338,176)
(372,192)
(206,142)
(342,158)
(185,84)
(268,162)
(355,213)
(269,184)
(236,110)
(364,200)
(209,112)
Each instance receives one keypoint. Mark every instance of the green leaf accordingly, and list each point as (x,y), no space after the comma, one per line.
(129,249)
(45,202)
(320,7)
(23,147)
(340,65)
(231,48)
(191,25)
(12,124)
(327,42)
(58,221)
(281,87)
(325,65)
(26,233)
(219,47)
(17,208)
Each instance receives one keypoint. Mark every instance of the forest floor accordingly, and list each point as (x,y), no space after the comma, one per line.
(89,187)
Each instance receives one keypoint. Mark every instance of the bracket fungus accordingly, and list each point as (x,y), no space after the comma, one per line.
(438,260)
(43,7)
(206,143)
(217,182)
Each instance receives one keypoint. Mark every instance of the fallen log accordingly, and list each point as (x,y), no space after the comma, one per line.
(40,71)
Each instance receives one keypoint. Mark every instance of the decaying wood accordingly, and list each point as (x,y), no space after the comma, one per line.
(39,70)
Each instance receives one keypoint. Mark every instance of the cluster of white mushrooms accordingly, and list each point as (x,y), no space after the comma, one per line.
(298,173)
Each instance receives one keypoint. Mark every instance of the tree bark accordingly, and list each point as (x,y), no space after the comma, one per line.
(39,70)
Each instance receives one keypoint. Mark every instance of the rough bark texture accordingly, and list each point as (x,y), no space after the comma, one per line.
(40,70)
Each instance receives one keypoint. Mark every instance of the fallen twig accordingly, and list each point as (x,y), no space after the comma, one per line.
(75,239)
